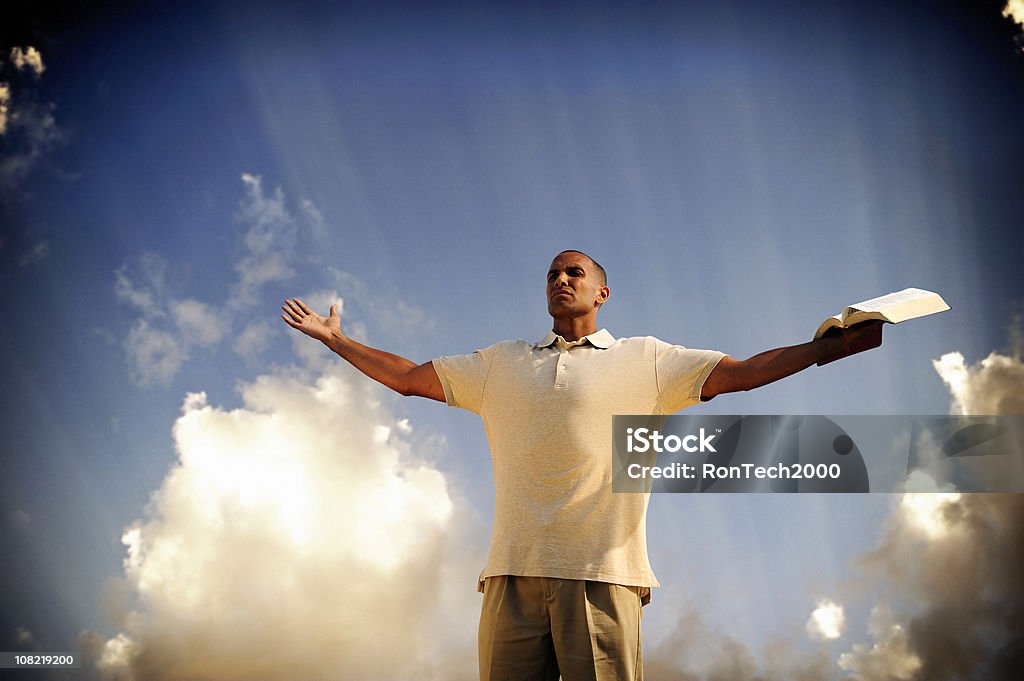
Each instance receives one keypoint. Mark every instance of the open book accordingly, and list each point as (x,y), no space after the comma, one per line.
(893,308)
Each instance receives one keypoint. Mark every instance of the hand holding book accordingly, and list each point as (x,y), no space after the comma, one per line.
(859,326)
(853,339)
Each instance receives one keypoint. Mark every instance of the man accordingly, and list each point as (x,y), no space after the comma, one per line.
(568,571)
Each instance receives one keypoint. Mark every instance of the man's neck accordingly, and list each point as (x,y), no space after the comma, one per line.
(572,329)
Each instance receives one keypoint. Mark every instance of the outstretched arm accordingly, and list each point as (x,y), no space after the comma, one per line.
(732,375)
(397,373)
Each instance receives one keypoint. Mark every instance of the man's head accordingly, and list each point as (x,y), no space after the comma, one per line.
(577,285)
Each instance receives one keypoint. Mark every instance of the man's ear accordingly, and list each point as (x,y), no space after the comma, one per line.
(603,294)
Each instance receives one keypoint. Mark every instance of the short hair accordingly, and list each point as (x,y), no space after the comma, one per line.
(597,265)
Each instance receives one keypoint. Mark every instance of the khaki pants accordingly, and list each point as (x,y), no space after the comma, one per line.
(535,628)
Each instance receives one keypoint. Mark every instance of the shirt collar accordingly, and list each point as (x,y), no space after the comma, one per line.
(599,339)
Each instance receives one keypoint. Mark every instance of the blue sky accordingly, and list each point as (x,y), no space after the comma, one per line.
(742,171)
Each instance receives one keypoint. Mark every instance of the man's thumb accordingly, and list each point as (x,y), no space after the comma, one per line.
(334,310)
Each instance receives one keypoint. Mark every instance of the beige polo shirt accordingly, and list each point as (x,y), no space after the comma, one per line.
(547,408)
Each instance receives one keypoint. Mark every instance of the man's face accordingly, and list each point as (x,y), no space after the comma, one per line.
(574,286)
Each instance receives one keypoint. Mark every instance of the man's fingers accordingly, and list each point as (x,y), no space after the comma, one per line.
(302,306)
(292,311)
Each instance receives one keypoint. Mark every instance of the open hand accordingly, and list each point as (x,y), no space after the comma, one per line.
(298,316)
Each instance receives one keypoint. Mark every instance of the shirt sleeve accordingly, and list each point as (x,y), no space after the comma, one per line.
(463,377)
(681,373)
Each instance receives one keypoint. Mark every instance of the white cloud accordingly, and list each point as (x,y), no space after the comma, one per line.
(5,100)
(694,651)
(1015,10)
(268,240)
(296,537)
(156,355)
(167,329)
(198,323)
(115,657)
(928,512)
(314,218)
(827,621)
(253,341)
(28,58)
(175,326)
(142,283)
(993,386)
(888,658)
